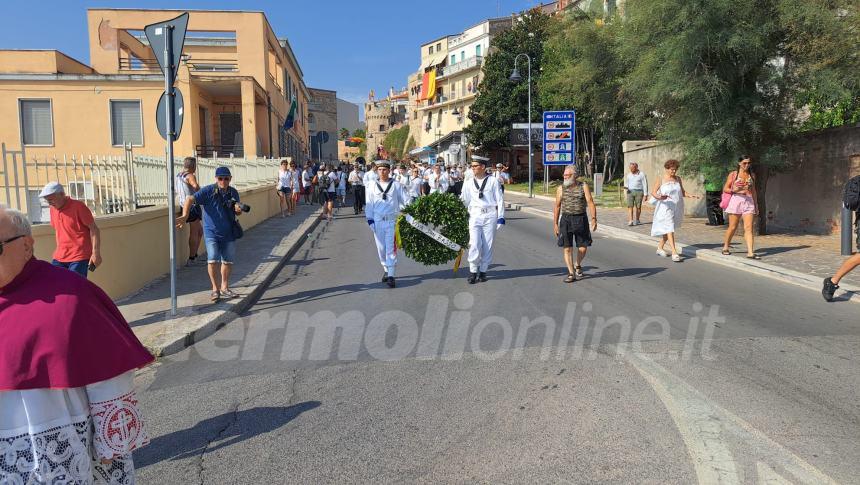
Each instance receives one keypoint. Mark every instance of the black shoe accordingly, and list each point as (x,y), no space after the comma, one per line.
(385,277)
(390,281)
(473,278)
(829,289)
(482,277)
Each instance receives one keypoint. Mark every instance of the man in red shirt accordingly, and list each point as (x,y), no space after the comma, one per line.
(78,236)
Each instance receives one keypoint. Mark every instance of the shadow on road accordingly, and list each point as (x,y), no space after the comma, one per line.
(226,429)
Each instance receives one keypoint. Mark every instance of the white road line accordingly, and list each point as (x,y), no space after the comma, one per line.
(706,429)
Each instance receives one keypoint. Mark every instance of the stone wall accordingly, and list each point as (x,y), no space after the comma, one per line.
(807,197)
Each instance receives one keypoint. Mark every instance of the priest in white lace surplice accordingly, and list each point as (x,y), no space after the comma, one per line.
(68,412)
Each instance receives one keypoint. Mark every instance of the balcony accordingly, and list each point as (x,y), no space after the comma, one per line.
(194,65)
(466,65)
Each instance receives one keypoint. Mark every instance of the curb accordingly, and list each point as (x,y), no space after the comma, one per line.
(691,251)
(184,332)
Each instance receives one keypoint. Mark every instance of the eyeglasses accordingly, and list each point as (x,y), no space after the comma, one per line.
(3,243)
(221,179)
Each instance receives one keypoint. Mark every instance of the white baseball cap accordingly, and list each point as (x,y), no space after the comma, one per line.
(51,189)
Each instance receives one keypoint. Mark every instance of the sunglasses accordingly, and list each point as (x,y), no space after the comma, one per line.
(475,166)
(3,243)
(221,179)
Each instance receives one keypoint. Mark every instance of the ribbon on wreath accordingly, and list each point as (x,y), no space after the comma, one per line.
(432,234)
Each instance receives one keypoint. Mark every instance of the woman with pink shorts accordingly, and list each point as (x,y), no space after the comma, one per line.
(742,206)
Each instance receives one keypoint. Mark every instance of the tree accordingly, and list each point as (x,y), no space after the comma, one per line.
(725,77)
(501,102)
(362,147)
(395,141)
(344,133)
(584,70)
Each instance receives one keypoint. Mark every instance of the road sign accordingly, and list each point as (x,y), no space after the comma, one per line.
(178,114)
(323,136)
(157,35)
(559,137)
(519,137)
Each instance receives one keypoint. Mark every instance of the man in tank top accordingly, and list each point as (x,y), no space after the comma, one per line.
(570,221)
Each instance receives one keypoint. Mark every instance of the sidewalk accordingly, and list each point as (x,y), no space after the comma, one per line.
(259,256)
(805,259)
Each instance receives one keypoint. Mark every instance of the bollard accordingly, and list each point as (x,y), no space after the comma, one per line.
(847,226)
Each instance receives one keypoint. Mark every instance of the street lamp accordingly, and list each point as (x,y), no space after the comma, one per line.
(515,77)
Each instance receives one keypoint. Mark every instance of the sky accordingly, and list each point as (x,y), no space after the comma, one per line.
(347,46)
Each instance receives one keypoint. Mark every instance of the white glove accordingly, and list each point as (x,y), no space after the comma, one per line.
(499,226)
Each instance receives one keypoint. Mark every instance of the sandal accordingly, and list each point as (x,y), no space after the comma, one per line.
(570,278)
(578,269)
(753,256)
(228,293)
(726,252)
(215,296)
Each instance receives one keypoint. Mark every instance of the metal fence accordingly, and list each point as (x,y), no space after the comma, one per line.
(112,184)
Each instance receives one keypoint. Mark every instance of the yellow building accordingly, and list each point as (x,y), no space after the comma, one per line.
(237,87)
(446,85)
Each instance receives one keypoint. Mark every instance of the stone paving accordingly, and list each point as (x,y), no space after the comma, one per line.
(817,255)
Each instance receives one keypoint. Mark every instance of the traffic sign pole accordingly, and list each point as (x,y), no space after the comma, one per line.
(161,37)
(171,195)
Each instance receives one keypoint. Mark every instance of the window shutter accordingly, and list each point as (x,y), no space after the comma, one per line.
(36,123)
(125,123)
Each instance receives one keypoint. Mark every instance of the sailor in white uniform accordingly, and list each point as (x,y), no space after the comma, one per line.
(385,199)
(482,196)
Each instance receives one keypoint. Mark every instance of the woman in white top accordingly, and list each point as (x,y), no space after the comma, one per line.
(669,211)
(297,186)
(284,187)
(186,185)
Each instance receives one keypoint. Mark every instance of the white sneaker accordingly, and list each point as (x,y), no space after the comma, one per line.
(676,258)
(630,223)
(661,253)
(638,223)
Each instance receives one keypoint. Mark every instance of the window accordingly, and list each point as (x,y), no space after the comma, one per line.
(37,123)
(478,50)
(381,128)
(439,119)
(462,56)
(125,123)
(453,59)
(438,47)
(431,49)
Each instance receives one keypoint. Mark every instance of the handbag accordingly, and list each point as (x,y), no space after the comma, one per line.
(726,197)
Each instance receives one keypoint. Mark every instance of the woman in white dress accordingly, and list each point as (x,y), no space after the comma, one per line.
(668,197)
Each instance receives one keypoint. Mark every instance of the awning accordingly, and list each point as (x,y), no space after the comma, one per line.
(416,151)
(434,60)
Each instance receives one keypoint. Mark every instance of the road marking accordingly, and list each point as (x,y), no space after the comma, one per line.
(706,428)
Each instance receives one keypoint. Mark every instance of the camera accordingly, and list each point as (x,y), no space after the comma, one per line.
(233,203)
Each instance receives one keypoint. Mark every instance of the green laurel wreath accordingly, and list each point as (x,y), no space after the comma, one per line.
(448,214)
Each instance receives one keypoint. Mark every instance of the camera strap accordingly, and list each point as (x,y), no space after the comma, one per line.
(224,203)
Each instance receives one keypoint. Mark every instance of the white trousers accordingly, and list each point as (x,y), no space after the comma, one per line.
(482,231)
(383,233)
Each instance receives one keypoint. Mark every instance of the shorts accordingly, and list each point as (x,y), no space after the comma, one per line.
(285,190)
(341,192)
(573,231)
(328,196)
(220,251)
(741,205)
(80,267)
(634,198)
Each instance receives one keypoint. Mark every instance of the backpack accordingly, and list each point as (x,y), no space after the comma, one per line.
(851,194)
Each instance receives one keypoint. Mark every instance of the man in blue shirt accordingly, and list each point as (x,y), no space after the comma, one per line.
(220,207)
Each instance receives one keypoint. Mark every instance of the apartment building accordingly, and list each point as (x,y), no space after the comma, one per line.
(445,86)
(322,125)
(237,78)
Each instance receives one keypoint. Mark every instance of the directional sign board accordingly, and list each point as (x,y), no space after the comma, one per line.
(178,114)
(157,35)
(559,137)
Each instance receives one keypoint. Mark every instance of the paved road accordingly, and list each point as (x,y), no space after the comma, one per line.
(646,371)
